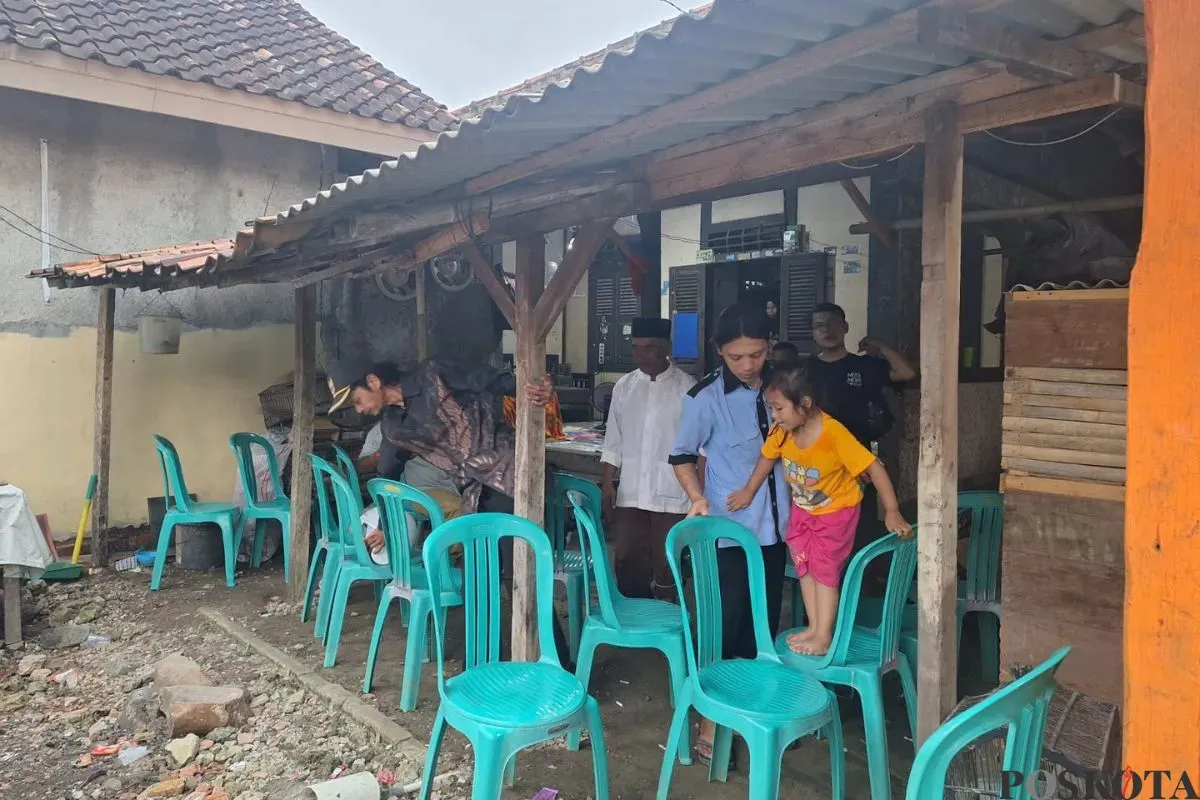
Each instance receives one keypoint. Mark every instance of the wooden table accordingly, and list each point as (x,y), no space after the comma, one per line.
(579,453)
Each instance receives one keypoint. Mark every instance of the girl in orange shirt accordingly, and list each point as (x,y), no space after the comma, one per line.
(824,465)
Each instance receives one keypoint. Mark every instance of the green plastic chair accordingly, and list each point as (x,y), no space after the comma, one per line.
(326,558)
(409,584)
(1021,707)
(859,656)
(349,470)
(278,509)
(767,704)
(355,565)
(568,564)
(621,621)
(979,594)
(182,510)
(502,707)
(789,576)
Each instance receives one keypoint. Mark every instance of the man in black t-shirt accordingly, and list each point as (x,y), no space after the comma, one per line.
(850,386)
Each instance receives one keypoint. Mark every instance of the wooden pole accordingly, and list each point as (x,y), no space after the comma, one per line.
(304,403)
(937,467)
(1162,551)
(102,424)
(529,490)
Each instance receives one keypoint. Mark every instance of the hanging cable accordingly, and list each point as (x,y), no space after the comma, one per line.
(896,157)
(38,239)
(1064,140)
(69,245)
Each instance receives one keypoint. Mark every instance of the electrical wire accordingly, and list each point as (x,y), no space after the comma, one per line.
(1064,140)
(897,157)
(38,239)
(69,244)
(677,8)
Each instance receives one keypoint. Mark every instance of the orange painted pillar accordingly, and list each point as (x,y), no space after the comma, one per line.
(1162,512)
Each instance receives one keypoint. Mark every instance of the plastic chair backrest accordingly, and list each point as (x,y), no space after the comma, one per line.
(899,582)
(984,546)
(243,445)
(698,536)
(394,499)
(175,491)
(480,536)
(595,560)
(346,529)
(1021,707)
(556,508)
(349,470)
(326,512)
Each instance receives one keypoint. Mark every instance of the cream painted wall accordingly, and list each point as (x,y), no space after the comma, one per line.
(680,241)
(828,212)
(196,398)
(747,206)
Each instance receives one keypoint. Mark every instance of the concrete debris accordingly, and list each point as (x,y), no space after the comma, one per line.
(200,709)
(183,750)
(178,670)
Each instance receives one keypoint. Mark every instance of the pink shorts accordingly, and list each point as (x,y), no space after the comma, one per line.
(821,543)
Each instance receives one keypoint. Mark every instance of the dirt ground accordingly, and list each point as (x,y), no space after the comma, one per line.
(44,728)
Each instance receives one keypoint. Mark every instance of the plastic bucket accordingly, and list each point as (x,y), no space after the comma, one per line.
(160,335)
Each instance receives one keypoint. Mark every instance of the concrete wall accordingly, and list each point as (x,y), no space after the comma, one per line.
(121,180)
(824,209)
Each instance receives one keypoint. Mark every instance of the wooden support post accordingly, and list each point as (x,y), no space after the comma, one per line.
(529,489)
(937,466)
(1162,552)
(304,405)
(12,606)
(102,424)
(485,273)
(422,333)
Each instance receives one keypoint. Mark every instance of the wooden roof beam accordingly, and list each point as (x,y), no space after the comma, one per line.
(1011,44)
(886,131)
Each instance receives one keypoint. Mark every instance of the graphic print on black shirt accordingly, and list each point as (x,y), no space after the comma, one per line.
(851,391)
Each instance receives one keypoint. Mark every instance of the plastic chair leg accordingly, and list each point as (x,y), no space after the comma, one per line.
(989,645)
(722,754)
(870,690)
(909,684)
(599,750)
(336,616)
(583,671)
(329,581)
(256,548)
(510,771)
(231,553)
(679,726)
(677,664)
(837,753)
(160,558)
(376,634)
(765,758)
(285,545)
(309,587)
(431,754)
(575,612)
(417,638)
(488,782)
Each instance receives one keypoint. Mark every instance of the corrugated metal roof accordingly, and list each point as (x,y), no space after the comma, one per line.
(733,38)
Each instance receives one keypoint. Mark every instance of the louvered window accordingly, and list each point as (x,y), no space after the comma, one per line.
(803,284)
(613,307)
(764,238)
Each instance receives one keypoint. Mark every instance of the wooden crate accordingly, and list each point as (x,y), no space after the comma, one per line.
(1063,457)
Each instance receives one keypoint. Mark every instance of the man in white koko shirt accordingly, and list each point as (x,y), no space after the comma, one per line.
(648,499)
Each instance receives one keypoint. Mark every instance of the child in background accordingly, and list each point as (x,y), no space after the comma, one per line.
(823,464)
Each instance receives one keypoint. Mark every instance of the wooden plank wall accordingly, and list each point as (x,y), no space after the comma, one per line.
(1063,445)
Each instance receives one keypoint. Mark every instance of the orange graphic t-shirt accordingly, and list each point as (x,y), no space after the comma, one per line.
(824,477)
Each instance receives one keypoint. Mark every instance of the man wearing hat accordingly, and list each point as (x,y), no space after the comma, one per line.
(451,416)
(648,500)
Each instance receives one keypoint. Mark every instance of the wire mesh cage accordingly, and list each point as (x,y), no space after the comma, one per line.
(1082,736)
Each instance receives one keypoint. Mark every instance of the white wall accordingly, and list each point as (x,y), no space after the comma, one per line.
(555,252)
(825,210)
(828,212)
